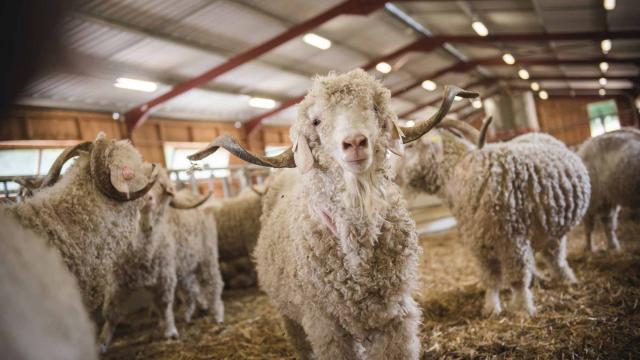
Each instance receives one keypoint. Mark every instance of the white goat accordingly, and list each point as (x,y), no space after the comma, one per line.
(163,257)
(90,215)
(613,162)
(338,252)
(42,312)
(509,198)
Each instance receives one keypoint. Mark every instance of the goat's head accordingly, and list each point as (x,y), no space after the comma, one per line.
(117,169)
(423,164)
(164,194)
(346,121)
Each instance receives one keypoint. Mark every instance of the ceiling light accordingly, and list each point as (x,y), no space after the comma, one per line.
(604,66)
(237,124)
(602,92)
(262,103)
(535,86)
(383,67)
(429,85)
(606,45)
(411,123)
(134,84)
(457,98)
(523,73)
(602,81)
(115,116)
(479,28)
(477,103)
(609,4)
(543,95)
(509,59)
(317,41)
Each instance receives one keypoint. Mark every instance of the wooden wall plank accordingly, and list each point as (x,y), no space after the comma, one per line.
(32,123)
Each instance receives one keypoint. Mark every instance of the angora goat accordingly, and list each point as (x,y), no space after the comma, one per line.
(510,200)
(238,224)
(338,252)
(613,162)
(164,256)
(42,312)
(90,215)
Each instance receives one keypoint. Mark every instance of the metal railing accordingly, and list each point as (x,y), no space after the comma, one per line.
(233,179)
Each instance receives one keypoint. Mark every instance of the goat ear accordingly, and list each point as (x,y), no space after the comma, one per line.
(396,145)
(302,154)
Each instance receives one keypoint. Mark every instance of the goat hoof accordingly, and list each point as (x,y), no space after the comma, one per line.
(171,334)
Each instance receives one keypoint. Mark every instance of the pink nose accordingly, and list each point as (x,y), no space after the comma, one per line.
(354,142)
(127,173)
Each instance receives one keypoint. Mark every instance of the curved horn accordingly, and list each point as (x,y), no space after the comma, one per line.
(469,132)
(483,131)
(450,92)
(102,176)
(54,172)
(284,160)
(185,205)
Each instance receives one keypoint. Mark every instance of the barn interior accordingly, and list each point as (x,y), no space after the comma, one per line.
(171,76)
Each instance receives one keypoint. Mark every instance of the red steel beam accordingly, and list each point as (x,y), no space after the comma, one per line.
(136,116)
(532,78)
(426,44)
(439,98)
(462,67)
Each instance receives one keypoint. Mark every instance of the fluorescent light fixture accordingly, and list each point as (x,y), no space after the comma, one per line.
(134,84)
(509,59)
(383,67)
(262,103)
(535,86)
(411,123)
(523,73)
(602,92)
(609,4)
(543,95)
(457,98)
(479,28)
(317,41)
(602,81)
(429,85)
(476,103)
(606,46)
(604,66)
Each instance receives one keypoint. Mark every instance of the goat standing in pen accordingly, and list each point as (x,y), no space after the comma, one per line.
(613,162)
(338,251)
(510,199)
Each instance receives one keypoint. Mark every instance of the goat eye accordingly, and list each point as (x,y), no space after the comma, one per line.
(315,122)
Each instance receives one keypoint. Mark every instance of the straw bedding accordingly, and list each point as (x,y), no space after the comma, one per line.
(597,318)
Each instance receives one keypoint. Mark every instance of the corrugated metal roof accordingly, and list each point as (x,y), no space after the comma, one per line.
(168,41)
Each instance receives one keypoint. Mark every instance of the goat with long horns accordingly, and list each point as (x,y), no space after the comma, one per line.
(338,251)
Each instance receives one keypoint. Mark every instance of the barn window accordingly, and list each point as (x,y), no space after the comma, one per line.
(176,158)
(26,162)
(603,117)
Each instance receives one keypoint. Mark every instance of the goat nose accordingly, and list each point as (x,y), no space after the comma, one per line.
(356,141)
